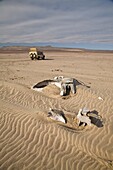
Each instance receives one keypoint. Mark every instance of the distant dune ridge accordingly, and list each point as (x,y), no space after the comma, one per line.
(29,139)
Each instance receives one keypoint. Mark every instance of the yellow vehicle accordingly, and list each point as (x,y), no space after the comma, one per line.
(35,54)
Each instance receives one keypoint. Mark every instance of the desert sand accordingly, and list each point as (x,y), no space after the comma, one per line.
(29,140)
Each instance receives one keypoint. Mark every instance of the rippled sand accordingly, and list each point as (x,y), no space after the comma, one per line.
(29,140)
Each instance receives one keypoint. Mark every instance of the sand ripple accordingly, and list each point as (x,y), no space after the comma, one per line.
(29,140)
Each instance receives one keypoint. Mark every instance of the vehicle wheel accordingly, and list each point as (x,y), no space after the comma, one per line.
(43,57)
(32,58)
(38,58)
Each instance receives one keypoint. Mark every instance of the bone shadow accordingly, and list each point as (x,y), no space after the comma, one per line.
(96,120)
(43,84)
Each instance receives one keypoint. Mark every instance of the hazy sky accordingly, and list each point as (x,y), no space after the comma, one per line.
(57,21)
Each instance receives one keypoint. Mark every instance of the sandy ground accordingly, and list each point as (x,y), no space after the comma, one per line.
(29,140)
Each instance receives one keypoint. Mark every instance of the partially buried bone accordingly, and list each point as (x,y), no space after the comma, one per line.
(56,115)
(83,117)
(64,84)
(67,85)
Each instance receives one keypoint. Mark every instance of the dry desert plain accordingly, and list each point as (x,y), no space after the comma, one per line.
(29,140)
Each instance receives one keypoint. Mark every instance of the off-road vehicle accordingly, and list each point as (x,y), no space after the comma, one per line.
(35,54)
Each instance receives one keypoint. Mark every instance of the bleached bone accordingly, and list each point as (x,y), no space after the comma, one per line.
(67,84)
(64,84)
(67,80)
(85,111)
(58,84)
(58,78)
(83,118)
(56,115)
(63,89)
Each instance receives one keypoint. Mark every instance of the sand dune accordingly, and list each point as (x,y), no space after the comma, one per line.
(29,139)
